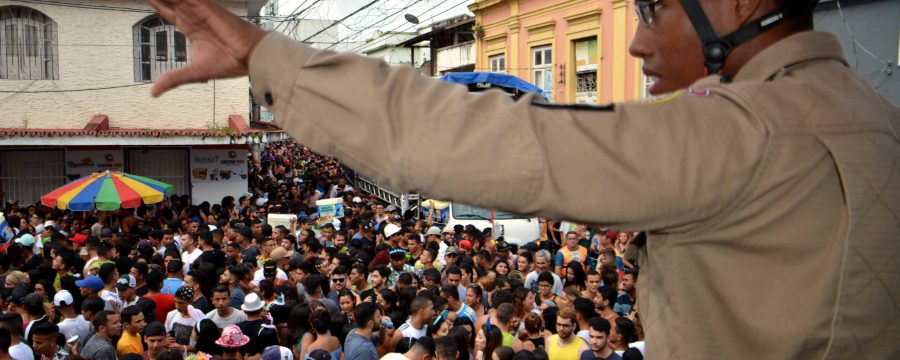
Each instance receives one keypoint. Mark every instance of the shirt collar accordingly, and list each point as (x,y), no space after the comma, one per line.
(795,49)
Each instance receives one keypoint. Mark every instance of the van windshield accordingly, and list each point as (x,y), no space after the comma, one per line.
(469,212)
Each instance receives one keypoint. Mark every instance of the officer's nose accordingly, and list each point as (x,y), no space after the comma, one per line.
(640,46)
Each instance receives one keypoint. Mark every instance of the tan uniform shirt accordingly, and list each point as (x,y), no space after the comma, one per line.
(772,202)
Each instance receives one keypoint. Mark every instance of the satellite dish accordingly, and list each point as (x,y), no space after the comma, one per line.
(411,18)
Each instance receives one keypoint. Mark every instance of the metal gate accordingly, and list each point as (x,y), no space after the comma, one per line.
(26,175)
(166,165)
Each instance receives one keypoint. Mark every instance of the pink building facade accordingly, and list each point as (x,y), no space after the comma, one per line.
(576,50)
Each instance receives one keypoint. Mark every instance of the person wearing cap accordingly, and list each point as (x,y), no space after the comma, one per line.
(72,322)
(90,286)
(253,307)
(452,257)
(31,260)
(175,278)
(249,252)
(271,267)
(128,293)
(276,352)
(180,322)
(399,265)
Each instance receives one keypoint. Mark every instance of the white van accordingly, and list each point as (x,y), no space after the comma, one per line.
(515,229)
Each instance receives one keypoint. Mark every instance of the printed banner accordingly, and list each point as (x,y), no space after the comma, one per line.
(81,163)
(218,165)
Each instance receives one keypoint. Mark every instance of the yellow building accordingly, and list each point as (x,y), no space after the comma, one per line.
(576,50)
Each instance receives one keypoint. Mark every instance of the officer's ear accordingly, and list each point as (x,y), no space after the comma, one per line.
(744,10)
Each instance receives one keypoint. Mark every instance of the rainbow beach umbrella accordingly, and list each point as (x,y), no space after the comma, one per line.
(107,191)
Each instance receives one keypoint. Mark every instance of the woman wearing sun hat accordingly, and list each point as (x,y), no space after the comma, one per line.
(231,341)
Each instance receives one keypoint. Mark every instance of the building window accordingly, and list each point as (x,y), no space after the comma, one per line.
(586,71)
(542,69)
(158,47)
(28,48)
(498,63)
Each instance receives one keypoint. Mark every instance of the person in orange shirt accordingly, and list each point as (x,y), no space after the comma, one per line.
(133,323)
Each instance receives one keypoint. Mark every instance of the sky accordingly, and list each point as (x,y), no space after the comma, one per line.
(384,15)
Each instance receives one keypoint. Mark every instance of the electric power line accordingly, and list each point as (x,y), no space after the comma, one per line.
(408,6)
(72,90)
(292,13)
(342,19)
(99,7)
(429,19)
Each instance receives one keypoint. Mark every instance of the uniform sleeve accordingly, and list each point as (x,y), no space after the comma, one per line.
(637,166)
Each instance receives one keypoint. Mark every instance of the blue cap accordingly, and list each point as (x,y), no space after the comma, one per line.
(91,282)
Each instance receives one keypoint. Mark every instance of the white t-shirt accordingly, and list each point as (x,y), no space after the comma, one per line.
(409,331)
(21,352)
(585,335)
(236,317)
(75,326)
(258,276)
(183,327)
(188,258)
(108,296)
(88,264)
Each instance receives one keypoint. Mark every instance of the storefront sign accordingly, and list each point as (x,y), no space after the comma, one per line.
(81,163)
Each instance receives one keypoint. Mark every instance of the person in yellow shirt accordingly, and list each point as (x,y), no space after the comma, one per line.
(565,345)
(133,322)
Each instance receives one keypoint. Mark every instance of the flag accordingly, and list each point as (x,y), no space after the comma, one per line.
(6,232)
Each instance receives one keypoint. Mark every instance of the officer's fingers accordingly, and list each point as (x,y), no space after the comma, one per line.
(176,78)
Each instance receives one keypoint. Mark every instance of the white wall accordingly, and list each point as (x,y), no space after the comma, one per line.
(452,57)
(96,49)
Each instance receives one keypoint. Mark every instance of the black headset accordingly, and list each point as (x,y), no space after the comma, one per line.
(716,49)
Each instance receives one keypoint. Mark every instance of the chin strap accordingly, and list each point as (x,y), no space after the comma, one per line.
(716,49)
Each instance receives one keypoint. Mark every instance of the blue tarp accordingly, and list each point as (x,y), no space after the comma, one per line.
(503,80)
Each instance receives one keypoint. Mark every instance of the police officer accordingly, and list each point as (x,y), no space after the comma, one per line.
(767,177)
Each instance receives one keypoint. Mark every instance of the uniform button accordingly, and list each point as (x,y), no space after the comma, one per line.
(269,100)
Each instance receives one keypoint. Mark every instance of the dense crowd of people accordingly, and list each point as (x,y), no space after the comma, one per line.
(217,281)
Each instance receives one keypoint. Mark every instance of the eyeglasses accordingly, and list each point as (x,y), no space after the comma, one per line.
(646,9)
(338,279)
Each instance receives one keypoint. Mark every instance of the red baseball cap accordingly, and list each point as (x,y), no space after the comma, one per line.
(612,234)
(465,244)
(78,238)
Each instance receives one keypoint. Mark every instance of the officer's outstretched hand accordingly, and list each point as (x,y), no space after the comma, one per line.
(221,42)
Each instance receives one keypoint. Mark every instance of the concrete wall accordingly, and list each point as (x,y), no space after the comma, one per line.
(876,26)
(96,49)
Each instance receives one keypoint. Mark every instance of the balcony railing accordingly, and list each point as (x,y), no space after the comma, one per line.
(455,56)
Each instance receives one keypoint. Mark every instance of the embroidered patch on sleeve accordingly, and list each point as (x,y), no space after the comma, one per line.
(699,92)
